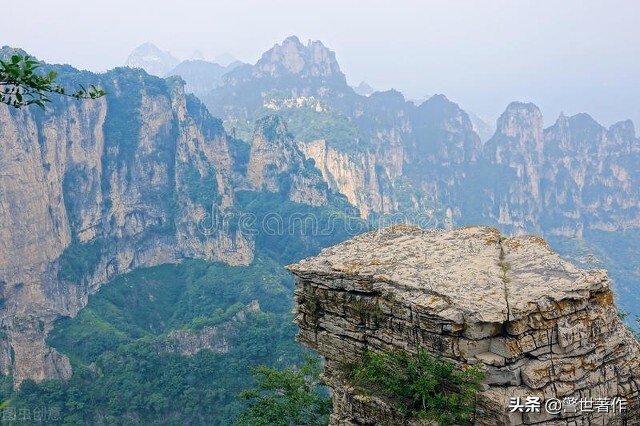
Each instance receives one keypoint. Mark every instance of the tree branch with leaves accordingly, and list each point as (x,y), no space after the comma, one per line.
(21,84)
(289,397)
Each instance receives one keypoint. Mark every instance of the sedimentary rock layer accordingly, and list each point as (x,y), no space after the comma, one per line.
(540,326)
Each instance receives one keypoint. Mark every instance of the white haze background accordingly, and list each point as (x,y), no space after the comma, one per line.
(571,56)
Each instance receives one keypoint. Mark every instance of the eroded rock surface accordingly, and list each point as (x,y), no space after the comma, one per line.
(540,326)
(216,338)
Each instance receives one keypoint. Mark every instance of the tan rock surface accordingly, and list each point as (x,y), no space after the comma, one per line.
(540,325)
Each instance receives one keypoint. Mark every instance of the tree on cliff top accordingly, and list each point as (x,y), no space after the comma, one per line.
(21,85)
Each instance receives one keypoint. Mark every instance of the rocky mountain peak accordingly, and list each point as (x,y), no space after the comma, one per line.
(149,57)
(623,130)
(7,51)
(271,128)
(584,121)
(519,137)
(520,117)
(293,57)
(364,89)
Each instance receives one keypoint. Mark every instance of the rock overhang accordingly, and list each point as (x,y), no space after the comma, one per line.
(537,325)
(471,274)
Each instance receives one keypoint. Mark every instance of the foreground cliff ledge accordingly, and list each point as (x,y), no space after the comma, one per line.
(541,326)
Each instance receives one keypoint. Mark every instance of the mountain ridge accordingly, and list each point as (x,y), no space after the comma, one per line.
(93,178)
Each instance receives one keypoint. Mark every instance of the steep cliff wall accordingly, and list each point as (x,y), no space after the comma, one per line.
(276,164)
(540,326)
(388,156)
(573,176)
(90,190)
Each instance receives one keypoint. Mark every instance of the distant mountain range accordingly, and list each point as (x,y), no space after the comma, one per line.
(201,76)
(150,175)
(151,59)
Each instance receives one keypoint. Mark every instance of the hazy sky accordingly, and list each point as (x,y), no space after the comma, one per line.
(564,55)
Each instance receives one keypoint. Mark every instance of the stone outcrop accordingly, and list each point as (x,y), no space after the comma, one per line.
(276,164)
(538,325)
(216,338)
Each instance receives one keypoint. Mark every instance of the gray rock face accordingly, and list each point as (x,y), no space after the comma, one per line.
(540,326)
(81,203)
(276,163)
(313,60)
(215,338)
(572,176)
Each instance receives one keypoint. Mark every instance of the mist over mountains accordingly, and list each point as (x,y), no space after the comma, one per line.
(93,192)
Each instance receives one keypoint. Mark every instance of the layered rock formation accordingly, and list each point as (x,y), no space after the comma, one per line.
(92,190)
(540,326)
(572,176)
(399,157)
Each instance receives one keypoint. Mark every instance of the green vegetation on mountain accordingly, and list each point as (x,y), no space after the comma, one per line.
(315,119)
(418,384)
(120,346)
(79,260)
(22,84)
(127,366)
(292,396)
(292,231)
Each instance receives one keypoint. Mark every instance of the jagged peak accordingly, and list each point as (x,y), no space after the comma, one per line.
(291,40)
(152,59)
(148,46)
(271,127)
(388,94)
(7,51)
(517,116)
(364,89)
(583,119)
(438,99)
(578,121)
(625,129)
(517,106)
(291,56)
(441,107)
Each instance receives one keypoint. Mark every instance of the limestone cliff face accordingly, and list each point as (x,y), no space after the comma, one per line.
(90,190)
(86,194)
(413,159)
(356,176)
(35,229)
(572,176)
(539,326)
(276,164)
(396,157)
(205,185)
